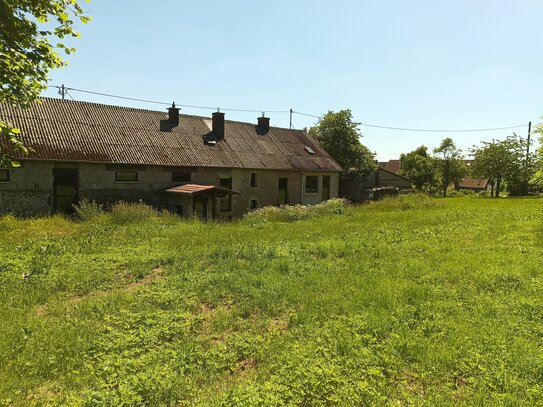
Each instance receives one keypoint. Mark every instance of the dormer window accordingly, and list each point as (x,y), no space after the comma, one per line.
(309,150)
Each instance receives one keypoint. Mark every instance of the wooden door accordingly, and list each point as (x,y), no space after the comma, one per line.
(282,191)
(65,190)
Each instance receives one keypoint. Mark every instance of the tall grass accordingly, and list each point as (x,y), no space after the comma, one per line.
(293,213)
(407,202)
(402,302)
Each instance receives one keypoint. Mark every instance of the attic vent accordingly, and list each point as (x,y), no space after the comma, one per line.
(309,150)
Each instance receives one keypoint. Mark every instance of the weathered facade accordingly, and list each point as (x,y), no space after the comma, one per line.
(110,153)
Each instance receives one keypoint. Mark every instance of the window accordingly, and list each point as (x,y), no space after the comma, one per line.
(254,204)
(126,176)
(226,201)
(253,180)
(4,175)
(309,150)
(181,176)
(312,183)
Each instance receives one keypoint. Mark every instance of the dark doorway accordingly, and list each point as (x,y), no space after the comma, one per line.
(282,194)
(325,187)
(199,207)
(65,190)
(178,210)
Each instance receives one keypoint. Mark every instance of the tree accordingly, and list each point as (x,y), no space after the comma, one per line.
(503,160)
(339,136)
(27,33)
(420,167)
(450,164)
(537,179)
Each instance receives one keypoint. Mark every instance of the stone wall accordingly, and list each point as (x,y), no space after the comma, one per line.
(30,189)
(25,203)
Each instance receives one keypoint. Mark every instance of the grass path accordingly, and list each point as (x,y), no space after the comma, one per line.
(431,302)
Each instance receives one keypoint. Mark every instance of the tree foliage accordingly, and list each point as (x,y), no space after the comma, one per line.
(450,164)
(420,167)
(537,179)
(338,134)
(30,33)
(503,160)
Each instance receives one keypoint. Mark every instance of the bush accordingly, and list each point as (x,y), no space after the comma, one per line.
(127,212)
(462,192)
(484,193)
(87,210)
(407,202)
(293,213)
(7,223)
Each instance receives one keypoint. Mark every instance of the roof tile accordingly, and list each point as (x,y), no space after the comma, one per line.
(81,131)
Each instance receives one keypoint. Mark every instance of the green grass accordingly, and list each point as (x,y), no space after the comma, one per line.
(405,302)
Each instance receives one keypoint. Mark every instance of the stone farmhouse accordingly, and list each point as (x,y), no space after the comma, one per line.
(191,165)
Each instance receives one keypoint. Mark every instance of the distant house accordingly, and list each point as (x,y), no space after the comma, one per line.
(359,191)
(474,184)
(391,165)
(211,167)
(386,178)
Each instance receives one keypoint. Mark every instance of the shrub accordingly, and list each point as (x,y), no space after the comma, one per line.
(7,223)
(462,192)
(293,213)
(87,210)
(483,193)
(127,212)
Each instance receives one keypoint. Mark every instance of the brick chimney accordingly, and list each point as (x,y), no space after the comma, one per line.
(263,126)
(173,115)
(218,125)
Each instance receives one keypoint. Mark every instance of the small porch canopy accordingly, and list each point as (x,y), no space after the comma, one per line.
(201,198)
(193,189)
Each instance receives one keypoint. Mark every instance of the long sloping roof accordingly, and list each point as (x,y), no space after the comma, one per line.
(67,130)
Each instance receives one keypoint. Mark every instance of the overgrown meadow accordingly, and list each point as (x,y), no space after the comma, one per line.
(410,301)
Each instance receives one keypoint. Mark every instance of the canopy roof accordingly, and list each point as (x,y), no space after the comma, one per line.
(192,189)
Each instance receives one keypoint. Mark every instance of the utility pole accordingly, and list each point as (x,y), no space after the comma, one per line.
(62,91)
(528,146)
(291,118)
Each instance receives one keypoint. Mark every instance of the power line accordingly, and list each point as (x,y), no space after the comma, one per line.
(425,130)
(442,130)
(307,114)
(64,90)
(168,104)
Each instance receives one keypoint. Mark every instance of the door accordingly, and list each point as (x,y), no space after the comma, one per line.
(282,191)
(199,207)
(325,187)
(65,190)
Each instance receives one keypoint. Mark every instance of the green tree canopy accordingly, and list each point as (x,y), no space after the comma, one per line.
(503,160)
(420,167)
(338,134)
(450,164)
(30,33)
(537,179)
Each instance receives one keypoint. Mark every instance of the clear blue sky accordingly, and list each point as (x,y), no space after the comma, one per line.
(418,64)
